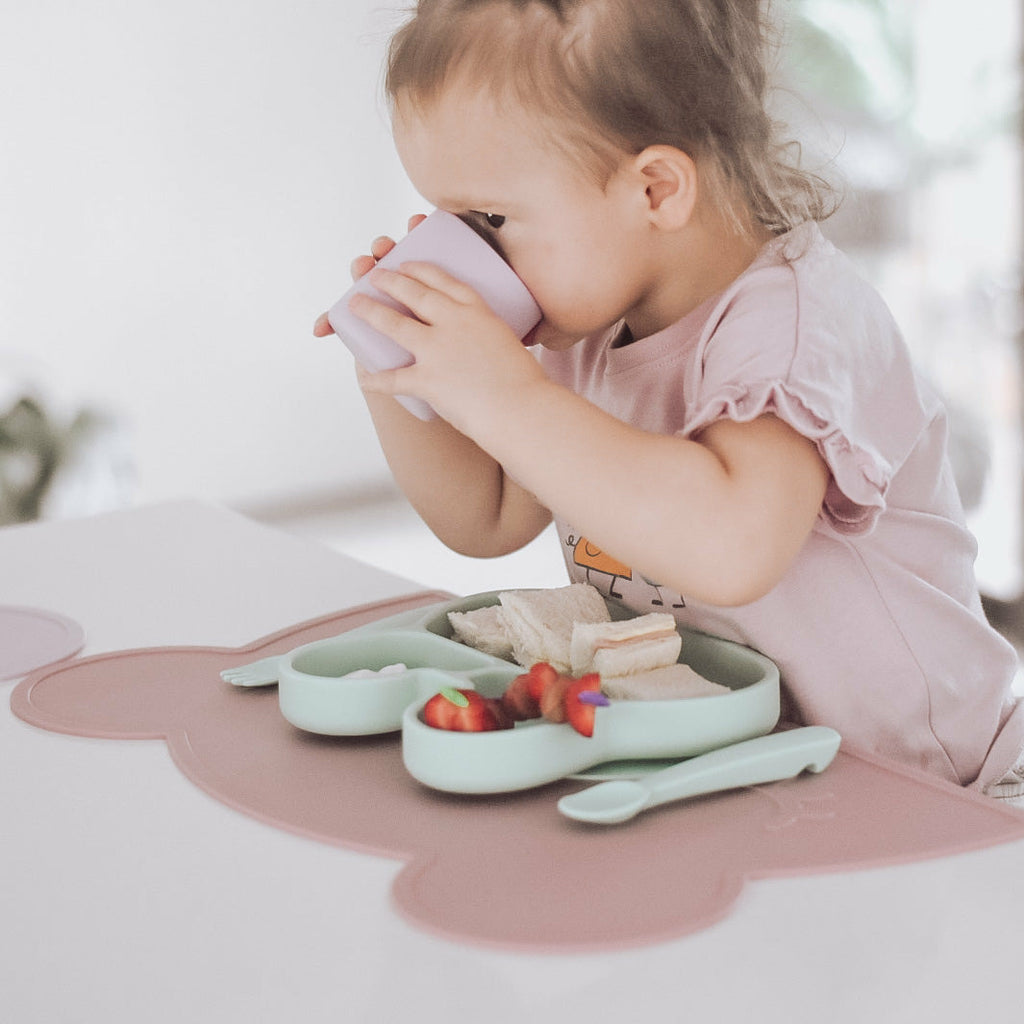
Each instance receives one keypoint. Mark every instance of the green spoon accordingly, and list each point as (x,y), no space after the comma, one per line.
(779,755)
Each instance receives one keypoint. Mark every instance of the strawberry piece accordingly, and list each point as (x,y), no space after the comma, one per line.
(579,714)
(465,711)
(544,691)
(517,702)
(539,678)
(522,699)
(552,700)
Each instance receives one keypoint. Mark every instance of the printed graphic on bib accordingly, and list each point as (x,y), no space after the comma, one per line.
(587,563)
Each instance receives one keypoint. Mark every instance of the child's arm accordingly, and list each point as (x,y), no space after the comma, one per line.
(459,490)
(719,518)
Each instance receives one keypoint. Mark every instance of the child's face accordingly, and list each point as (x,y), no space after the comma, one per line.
(583,251)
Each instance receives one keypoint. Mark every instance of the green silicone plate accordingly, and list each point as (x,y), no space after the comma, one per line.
(314,696)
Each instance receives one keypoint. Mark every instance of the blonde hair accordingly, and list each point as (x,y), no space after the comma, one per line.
(621,75)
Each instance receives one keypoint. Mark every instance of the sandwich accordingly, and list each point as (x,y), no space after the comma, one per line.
(531,626)
(625,647)
(638,659)
(540,623)
(570,630)
(670,682)
(482,629)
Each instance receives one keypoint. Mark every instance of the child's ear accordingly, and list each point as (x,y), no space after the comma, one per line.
(669,179)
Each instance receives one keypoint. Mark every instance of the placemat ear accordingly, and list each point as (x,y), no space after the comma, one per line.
(150,693)
(31,638)
(140,694)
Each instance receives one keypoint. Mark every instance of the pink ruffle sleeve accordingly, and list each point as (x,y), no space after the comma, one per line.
(860,476)
(820,350)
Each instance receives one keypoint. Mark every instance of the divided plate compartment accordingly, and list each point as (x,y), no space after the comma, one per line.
(314,697)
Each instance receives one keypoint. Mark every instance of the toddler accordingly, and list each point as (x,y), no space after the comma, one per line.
(718,413)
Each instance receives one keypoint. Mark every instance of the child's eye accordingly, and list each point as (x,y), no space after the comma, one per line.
(493,220)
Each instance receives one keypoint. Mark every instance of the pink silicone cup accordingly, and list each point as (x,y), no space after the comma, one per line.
(446,241)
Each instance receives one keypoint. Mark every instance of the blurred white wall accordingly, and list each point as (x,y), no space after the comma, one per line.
(182,188)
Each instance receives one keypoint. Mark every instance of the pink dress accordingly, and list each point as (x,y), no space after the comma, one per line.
(877,628)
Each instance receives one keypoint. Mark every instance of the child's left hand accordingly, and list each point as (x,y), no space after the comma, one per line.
(467,360)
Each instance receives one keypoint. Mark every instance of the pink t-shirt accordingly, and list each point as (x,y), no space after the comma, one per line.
(877,627)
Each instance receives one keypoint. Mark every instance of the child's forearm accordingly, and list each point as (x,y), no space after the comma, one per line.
(720,520)
(459,490)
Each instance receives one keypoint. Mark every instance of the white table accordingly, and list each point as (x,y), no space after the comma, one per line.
(128,894)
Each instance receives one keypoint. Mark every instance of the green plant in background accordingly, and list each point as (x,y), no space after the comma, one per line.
(30,452)
(34,448)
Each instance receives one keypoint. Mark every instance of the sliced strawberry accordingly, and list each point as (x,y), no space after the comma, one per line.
(544,691)
(465,711)
(517,702)
(579,713)
(497,713)
(522,699)
(540,677)
(552,700)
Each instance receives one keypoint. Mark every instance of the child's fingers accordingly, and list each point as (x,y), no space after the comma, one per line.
(388,321)
(381,246)
(436,280)
(427,304)
(361,265)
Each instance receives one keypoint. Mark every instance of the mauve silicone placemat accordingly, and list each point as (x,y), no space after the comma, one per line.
(31,638)
(504,870)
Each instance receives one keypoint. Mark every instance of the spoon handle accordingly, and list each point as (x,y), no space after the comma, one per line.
(779,755)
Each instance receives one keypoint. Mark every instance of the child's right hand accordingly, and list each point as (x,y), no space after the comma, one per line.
(361,265)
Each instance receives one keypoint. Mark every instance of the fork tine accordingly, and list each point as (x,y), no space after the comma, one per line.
(258,673)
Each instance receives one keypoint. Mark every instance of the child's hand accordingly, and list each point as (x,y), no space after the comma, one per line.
(361,265)
(467,360)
